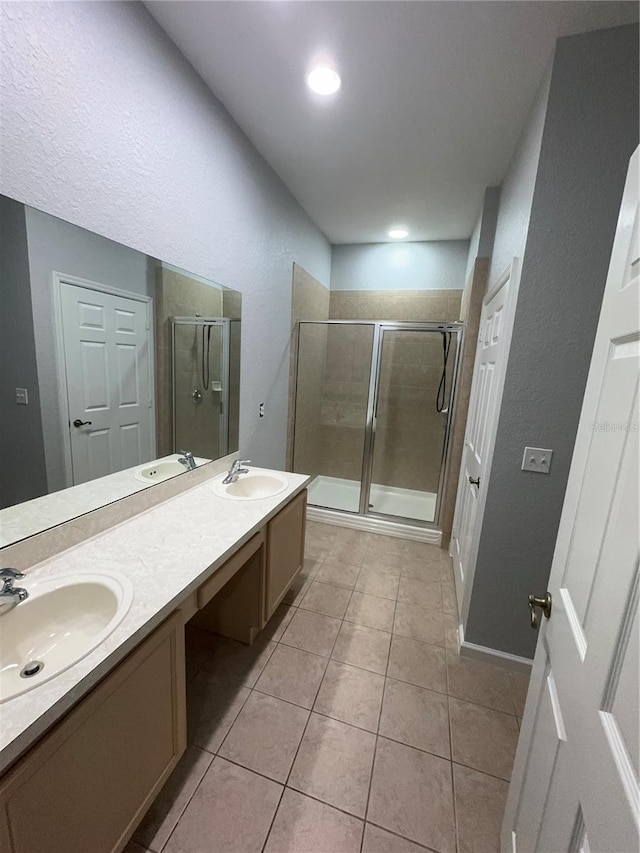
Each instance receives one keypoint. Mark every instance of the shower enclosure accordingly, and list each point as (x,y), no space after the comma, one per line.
(205,383)
(373,403)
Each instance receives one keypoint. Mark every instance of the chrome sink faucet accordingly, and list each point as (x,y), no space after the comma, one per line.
(187,459)
(235,471)
(10,595)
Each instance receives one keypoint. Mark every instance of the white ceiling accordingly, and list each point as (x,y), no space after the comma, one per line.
(433,98)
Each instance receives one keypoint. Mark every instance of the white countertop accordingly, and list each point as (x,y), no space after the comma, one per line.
(167,552)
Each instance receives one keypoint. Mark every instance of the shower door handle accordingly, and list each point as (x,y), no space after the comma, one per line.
(475,482)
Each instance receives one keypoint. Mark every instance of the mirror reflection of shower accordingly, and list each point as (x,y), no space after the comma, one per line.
(205,362)
(368,423)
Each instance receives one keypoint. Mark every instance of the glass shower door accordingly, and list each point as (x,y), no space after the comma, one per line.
(200,386)
(409,431)
(330,426)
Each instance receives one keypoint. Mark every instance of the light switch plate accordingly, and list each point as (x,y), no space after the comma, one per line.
(22,397)
(537,459)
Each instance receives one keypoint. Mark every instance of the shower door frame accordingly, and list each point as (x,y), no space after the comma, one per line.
(456,327)
(225,323)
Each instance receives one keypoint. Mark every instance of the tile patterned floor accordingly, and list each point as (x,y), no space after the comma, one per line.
(351,725)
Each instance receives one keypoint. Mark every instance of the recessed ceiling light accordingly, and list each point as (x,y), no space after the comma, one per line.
(323,80)
(398,233)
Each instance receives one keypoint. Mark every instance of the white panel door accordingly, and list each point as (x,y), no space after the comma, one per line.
(575,781)
(486,393)
(107,367)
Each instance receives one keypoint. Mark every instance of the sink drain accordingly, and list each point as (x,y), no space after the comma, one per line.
(32,668)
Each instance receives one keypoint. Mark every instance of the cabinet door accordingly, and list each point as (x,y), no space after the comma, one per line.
(285,550)
(86,784)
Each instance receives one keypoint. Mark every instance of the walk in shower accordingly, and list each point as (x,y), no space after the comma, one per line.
(205,385)
(373,404)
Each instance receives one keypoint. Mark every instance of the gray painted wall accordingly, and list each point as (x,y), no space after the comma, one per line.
(56,245)
(481,242)
(107,126)
(437,265)
(22,471)
(590,132)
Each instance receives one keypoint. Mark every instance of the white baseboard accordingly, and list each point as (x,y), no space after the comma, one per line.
(370,525)
(494,656)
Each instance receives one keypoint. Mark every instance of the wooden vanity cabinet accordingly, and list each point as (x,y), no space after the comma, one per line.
(285,551)
(86,784)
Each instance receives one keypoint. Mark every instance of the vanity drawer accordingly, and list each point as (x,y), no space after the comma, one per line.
(86,784)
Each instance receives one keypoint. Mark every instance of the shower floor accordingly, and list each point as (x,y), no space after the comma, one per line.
(336,493)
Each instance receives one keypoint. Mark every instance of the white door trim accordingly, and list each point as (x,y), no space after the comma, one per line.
(512,275)
(58,279)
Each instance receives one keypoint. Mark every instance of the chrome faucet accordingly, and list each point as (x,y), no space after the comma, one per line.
(235,471)
(187,459)
(10,595)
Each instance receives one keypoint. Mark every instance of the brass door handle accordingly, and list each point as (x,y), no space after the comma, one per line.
(475,482)
(544,604)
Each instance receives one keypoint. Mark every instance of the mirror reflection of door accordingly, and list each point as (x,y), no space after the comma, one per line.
(106,345)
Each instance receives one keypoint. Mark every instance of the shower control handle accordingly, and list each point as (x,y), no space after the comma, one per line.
(475,482)
(79,423)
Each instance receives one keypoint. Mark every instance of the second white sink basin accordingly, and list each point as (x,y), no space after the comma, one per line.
(163,469)
(252,486)
(63,620)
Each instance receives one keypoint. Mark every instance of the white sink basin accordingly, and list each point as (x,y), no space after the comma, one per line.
(251,486)
(162,469)
(63,620)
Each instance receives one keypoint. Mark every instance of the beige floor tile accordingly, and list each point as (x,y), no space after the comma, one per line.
(326,598)
(483,738)
(378,840)
(519,687)
(265,736)
(450,623)
(233,806)
(417,663)
(387,545)
(412,794)
(419,624)
(431,554)
(370,610)
(350,551)
(312,632)
(275,627)
(297,590)
(375,582)
(334,764)
(480,802)
(360,646)
(416,716)
(338,573)
(479,682)
(293,674)
(212,706)
(351,695)
(449,601)
(303,825)
(236,662)
(420,593)
(165,811)
(310,567)
(418,569)
(381,561)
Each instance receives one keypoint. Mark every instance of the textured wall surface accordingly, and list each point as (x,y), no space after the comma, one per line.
(590,132)
(105,124)
(438,265)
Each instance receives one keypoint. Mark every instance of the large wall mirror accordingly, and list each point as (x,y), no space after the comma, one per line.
(110,360)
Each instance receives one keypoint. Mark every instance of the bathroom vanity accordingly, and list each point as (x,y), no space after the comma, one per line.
(84,754)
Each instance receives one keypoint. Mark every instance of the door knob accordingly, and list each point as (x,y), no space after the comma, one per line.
(544,604)
(475,482)
(79,423)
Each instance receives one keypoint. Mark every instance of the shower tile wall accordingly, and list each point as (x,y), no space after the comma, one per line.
(309,301)
(417,305)
(177,295)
